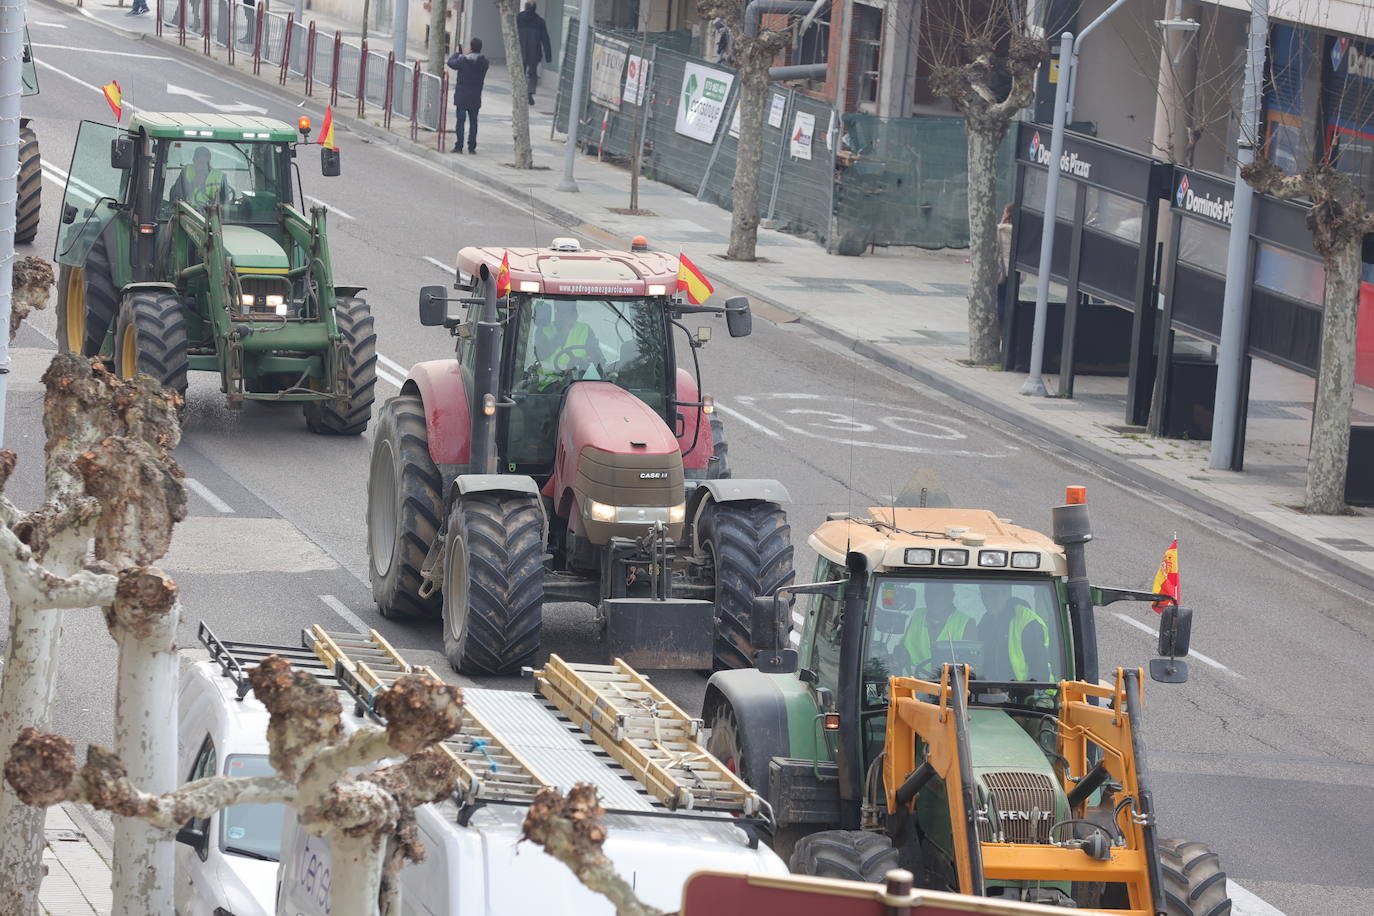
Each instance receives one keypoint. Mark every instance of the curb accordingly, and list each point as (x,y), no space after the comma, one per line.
(913,369)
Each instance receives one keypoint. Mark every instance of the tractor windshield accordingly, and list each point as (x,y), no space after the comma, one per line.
(559,341)
(1004,628)
(247,180)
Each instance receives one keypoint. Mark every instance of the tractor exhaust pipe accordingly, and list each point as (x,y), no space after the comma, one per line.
(486,378)
(1072,532)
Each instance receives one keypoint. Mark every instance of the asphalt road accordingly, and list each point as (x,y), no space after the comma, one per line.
(1266,753)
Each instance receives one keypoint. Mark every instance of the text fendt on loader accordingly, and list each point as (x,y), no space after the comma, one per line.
(182,248)
(564,456)
(941,710)
(29,197)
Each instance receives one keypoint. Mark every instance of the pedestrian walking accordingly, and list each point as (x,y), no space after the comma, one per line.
(470,73)
(139,8)
(249,8)
(534,45)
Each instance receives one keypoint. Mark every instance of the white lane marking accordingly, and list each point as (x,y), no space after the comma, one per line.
(1244,903)
(442,266)
(208,495)
(47,25)
(394,366)
(390,379)
(80,82)
(730,412)
(1206,660)
(101,51)
(203,99)
(330,207)
(350,618)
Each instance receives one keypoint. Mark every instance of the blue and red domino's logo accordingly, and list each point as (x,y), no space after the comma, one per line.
(1338,48)
(1035,144)
(1182,193)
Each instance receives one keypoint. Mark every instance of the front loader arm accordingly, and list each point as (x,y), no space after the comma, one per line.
(204,232)
(310,240)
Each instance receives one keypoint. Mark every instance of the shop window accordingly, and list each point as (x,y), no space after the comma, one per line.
(813,45)
(1289,274)
(866,49)
(1203,245)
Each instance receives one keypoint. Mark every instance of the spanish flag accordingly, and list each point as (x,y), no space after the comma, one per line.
(692,281)
(326,137)
(113,95)
(503,277)
(1166,580)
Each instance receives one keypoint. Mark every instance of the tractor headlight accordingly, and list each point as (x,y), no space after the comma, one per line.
(954,558)
(919,556)
(992,558)
(677,514)
(276,304)
(600,512)
(657,289)
(1025,560)
(247,299)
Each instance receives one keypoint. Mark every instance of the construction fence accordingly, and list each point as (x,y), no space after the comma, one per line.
(849,182)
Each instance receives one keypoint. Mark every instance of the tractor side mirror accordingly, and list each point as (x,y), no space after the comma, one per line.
(69,214)
(433,306)
(738,319)
(122,153)
(329,162)
(1175,633)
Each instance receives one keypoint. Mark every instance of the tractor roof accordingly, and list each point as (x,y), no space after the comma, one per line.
(573,271)
(181,125)
(935,538)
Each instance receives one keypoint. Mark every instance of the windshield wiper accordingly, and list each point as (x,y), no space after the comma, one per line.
(249,853)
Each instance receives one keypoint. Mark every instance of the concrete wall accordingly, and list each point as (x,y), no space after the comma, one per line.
(1118,67)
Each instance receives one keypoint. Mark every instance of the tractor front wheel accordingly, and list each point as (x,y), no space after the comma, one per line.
(405,507)
(493,583)
(150,338)
(87,303)
(30,188)
(350,417)
(1194,884)
(750,546)
(850,855)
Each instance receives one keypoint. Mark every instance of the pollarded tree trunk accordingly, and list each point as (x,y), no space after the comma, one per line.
(519,88)
(984,333)
(744,190)
(1329,450)
(438,28)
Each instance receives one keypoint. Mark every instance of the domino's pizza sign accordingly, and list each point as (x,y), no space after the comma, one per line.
(1070,163)
(1182,194)
(1035,147)
(1338,48)
(1203,204)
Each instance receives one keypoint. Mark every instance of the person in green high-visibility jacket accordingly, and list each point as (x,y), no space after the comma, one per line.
(938,622)
(563,343)
(200,185)
(1026,634)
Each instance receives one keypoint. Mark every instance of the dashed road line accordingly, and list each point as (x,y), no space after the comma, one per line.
(1193,653)
(205,493)
(330,207)
(1244,903)
(80,82)
(446,268)
(391,372)
(747,421)
(350,618)
(101,51)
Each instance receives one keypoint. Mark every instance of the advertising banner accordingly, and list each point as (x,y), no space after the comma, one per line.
(704,91)
(608,71)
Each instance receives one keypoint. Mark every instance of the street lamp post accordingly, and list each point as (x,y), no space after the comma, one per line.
(584,22)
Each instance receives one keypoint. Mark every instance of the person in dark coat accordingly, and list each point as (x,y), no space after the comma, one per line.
(534,44)
(471,73)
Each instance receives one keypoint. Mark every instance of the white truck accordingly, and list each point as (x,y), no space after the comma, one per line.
(672,809)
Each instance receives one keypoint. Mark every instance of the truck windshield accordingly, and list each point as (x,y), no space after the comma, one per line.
(253,831)
(247,180)
(1004,628)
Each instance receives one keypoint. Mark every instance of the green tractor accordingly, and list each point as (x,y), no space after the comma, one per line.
(30,189)
(941,712)
(183,247)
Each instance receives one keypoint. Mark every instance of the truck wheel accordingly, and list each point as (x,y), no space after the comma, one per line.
(718,468)
(150,338)
(851,855)
(493,583)
(1194,884)
(87,303)
(350,418)
(405,506)
(30,187)
(750,546)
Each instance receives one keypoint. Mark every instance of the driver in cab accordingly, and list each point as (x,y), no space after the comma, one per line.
(564,345)
(200,184)
(939,621)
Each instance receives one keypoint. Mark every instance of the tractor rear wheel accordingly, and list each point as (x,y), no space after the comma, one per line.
(30,188)
(150,338)
(405,507)
(750,546)
(350,417)
(718,468)
(851,855)
(1194,884)
(493,583)
(87,303)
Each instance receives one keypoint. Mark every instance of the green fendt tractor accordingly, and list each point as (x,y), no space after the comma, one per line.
(182,247)
(30,190)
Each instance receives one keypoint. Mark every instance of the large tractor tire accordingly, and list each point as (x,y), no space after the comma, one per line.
(405,507)
(87,303)
(850,855)
(493,583)
(30,188)
(750,547)
(718,468)
(1194,884)
(726,743)
(150,338)
(350,418)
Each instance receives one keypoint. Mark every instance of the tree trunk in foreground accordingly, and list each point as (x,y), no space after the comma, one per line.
(1330,445)
(744,190)
(984,333)
(519,88)
(438,29)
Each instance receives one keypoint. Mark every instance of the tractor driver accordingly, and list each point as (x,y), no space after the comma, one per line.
(938,622)
(1026,635)
(200,185)
(563,344)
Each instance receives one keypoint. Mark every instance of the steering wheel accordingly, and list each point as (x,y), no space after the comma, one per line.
(571,350)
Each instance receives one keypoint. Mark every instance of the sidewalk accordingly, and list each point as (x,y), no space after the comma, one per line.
(905,309)
(77,862)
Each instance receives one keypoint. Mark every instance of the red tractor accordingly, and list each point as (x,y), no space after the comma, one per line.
(565,456)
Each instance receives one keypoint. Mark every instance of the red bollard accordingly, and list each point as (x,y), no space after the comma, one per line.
(286,48)
(205,28)
(415,103)
(362,79)
(334,74)
(257,39)
(181,22)
(390,84)
(443,110)
(310,60)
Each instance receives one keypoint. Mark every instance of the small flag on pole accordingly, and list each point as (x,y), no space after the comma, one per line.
(326,137)
(113,95)
(692,281)
(1166,580)
(503,277)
